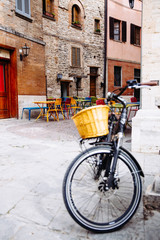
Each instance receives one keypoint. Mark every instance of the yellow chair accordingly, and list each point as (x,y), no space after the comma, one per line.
(74,106)
(57,108)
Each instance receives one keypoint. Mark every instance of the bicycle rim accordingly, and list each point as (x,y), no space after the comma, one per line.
(95,210)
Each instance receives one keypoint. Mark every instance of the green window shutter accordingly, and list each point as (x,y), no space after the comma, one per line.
(73,56)
(111,27)
(76,61)
(78,57)
(124,31)
(132,34)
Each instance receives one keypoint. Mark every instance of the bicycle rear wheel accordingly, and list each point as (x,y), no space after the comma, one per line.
(86,199)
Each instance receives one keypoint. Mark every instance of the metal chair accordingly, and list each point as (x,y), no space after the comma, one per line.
(57,108)
(74,107)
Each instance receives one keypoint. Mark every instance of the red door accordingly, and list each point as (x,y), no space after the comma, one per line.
(4,93)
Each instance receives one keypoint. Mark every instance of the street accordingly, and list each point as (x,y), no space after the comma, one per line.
(34,156)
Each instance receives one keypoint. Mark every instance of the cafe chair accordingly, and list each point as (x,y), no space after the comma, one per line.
(133,108)
(87,102)
(100,102)
(74,107)
(55,110)
(67,106)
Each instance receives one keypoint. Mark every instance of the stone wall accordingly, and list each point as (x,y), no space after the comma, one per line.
(15,32)
(146,124)
(61,35)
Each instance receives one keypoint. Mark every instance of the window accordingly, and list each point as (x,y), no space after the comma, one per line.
(117,76)
(23,7)
(137,74)
(78,83)
(135,35)
(48,8)
(76,16)
(97,26)
(118,29)
(76,61)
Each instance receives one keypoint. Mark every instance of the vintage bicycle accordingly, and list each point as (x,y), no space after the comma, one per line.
(102,186)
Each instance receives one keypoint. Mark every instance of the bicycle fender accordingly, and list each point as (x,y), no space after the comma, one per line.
(126,152)
(134,160)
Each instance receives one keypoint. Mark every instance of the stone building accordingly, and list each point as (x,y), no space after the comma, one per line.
(74,47)
(22,78)
(66,43)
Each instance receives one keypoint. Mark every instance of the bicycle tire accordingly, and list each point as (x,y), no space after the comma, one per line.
(92,209)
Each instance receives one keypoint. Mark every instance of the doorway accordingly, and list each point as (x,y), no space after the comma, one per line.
(64,89)
(4,90)
(8,84)
(93,80)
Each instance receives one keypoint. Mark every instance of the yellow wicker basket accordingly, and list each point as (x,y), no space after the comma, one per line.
(92,122)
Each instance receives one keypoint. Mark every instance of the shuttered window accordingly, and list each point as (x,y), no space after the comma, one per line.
(115,33)
(23,7)
(124,31)
(135,36)
(76,61)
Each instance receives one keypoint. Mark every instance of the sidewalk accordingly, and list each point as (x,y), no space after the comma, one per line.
(33,159)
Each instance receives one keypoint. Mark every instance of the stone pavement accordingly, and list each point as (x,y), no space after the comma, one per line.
(33,159)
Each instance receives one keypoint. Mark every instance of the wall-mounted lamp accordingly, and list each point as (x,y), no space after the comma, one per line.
(59,77)
(24,51)
(131,3)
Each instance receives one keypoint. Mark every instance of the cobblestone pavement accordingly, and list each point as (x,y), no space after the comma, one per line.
(33,159)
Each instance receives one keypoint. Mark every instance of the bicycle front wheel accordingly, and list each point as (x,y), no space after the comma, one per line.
(89,203)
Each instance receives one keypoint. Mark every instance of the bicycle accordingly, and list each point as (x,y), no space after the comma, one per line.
(102,186)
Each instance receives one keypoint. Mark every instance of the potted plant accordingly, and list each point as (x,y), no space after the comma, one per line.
(98,30)
(52,15)
(76,23)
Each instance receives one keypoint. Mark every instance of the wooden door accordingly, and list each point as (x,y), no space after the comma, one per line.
(92,86)
(4,91)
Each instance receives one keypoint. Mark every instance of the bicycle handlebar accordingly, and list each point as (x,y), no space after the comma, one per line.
(130,84)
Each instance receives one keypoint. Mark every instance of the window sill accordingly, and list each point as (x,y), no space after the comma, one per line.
(49,17)
(76,26)
(137,45)
(75,66)
(23,17)
(97,33)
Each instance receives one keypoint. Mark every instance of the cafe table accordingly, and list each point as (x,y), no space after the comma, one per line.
(131,106)
(82,102)
(44,105)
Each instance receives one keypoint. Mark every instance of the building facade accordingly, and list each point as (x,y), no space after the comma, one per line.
(22,78)
(66,43)
(123,43)
(74,47)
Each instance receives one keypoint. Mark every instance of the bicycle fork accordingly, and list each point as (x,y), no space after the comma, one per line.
(112,180)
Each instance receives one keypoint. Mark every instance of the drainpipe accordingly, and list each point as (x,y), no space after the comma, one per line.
(105,46)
